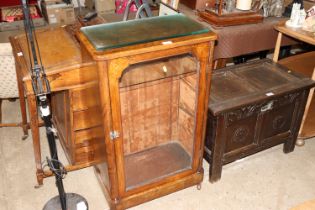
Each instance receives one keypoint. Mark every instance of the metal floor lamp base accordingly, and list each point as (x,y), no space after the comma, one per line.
(74,202)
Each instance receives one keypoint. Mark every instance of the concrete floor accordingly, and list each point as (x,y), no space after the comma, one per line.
(268,180)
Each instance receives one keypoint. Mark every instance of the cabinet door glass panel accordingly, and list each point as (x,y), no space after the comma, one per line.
(158,109)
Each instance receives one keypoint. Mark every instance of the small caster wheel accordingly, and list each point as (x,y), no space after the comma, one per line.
(300,142)
(198,186)
(38,186)
(24,137)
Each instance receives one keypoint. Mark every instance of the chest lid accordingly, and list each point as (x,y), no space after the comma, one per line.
(238,85)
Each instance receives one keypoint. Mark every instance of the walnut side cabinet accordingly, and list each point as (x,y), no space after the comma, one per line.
(153,101)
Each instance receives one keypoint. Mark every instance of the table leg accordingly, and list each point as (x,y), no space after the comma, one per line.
(277,48)
(219,63)
(22,105)
(32,108)
(217,152)
(300,141)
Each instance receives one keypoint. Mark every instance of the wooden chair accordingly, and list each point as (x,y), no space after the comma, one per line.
(8,83)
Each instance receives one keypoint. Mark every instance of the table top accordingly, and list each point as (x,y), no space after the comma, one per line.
(61,51)
(243,39)
(160,41)
(247,84)
(297,33)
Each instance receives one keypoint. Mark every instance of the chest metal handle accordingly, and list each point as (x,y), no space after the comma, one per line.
(267,107)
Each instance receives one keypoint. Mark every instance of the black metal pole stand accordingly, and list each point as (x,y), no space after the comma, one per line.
(41,87)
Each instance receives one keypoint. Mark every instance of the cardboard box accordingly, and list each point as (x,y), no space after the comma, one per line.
(101,6)
(105,6)
(89,4)
(11,17)
(58,13)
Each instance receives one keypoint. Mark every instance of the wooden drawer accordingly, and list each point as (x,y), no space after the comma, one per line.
(76,115)
(84,98)
(86,118)
(89,155)
(89,137)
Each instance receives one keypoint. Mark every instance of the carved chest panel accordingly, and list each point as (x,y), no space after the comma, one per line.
(253,107)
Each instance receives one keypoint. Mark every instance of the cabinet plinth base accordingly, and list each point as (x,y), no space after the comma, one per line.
(151,193)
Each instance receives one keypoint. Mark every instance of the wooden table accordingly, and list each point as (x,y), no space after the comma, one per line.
(304,36)
(62,59)
(65,70)
(241,39)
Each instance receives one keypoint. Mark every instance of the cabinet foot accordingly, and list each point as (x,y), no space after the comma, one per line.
(300,142)
(24,137)
(37,186)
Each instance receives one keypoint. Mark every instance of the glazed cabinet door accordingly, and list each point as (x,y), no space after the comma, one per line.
(157,103)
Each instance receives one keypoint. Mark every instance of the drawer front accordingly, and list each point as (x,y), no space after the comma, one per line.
(77,117)
(84,98)
(86,118)
(89,137)
(89,146)
(90,155)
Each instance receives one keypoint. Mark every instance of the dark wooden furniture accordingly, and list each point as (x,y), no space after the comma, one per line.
(252,107)
(307,128)
(153,98)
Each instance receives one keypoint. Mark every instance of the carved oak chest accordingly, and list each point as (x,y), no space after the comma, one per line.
(252,107)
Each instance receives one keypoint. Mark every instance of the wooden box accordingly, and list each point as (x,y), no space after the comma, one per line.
(58,12)
(253,107)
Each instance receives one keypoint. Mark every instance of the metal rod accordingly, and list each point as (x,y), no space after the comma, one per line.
(41,89)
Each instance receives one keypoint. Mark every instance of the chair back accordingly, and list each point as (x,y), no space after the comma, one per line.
(8,84)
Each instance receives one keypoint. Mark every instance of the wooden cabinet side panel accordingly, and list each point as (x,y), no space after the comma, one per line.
(61,115)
